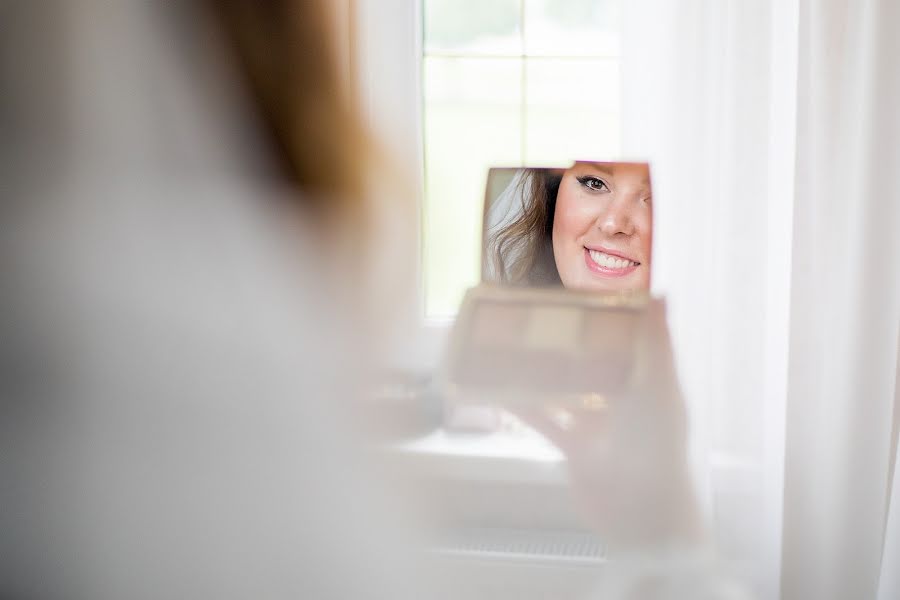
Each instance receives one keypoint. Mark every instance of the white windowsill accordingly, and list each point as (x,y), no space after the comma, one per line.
(504,457)
(498,457)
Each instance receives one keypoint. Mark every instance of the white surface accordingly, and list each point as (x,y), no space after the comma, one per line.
(528,457)
(498,457)
(522,446)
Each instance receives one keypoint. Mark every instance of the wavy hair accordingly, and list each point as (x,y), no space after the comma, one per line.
(520,252)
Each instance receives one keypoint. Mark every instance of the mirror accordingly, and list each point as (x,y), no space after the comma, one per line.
(587,227)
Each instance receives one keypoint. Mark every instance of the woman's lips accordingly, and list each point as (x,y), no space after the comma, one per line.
(608,265)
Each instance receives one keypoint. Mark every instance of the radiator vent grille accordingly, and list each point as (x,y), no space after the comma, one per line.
(556,547)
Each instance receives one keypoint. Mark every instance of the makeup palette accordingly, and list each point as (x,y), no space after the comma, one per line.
(526,345)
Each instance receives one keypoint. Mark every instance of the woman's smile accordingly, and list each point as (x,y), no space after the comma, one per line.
(606,263)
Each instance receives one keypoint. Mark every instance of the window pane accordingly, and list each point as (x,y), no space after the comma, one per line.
(572,109)
(485,27)
(473,121)
(572,28)
(487,106)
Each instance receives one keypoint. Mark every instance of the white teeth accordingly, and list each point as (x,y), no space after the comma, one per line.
(610,262)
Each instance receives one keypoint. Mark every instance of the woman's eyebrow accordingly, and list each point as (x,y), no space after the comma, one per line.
(606,169)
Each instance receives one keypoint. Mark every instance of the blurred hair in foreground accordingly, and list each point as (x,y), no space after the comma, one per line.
(183,323)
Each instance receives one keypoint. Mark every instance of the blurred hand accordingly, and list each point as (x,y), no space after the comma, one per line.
(627,458)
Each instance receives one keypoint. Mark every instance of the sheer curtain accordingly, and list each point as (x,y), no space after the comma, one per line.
(773,135)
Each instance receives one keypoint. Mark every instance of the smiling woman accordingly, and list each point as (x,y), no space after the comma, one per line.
(588,227)
(601,232)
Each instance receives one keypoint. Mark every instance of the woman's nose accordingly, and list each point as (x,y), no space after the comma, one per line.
(616,218)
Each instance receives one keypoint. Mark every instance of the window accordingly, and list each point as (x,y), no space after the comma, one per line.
(506,83)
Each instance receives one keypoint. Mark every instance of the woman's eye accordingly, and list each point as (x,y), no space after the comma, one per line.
(593,183)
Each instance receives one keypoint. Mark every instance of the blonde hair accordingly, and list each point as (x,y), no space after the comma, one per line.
(359,197)
(288,54)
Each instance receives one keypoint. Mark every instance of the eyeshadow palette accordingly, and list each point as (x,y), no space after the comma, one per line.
(525,345)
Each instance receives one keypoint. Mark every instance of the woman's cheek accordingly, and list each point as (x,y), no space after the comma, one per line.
(575,218)
(646,232)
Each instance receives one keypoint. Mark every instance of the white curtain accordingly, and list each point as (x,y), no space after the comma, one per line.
(774,136)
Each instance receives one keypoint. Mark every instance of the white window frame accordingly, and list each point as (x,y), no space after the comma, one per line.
(387,61)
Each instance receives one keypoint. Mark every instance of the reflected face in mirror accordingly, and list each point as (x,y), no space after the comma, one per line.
(601,235)
(588,227)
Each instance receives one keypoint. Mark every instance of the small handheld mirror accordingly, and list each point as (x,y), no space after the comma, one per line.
(586,227)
